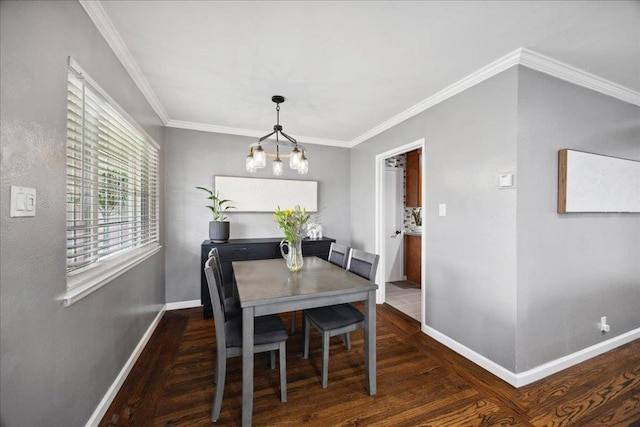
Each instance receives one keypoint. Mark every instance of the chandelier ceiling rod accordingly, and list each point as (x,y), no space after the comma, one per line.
(277,128)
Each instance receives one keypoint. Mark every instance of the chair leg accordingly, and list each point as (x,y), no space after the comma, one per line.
(283,371)
(215,374)
(272,355)
(347,340)
(221,373)
(293,321)
(307,331)
(325,359)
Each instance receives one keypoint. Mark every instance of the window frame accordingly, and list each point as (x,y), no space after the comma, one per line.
(86,279)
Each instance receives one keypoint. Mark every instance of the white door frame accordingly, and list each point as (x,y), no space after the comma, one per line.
(380,219)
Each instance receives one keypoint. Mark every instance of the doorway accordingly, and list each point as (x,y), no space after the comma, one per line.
(394,228)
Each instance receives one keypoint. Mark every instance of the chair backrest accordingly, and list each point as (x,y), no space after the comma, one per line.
(338,254)
(216,303)
(213,253)
(363,264)
(217,267)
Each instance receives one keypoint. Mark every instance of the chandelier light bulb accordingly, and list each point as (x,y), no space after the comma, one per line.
(294,158)
(277,167)
(303,167)
(260,158)
(250,163)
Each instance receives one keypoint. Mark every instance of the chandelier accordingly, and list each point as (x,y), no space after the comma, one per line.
(257,157)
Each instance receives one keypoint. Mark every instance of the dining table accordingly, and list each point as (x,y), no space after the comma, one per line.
(267,286)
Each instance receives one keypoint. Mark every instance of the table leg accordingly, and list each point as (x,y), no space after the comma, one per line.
(370,342)
(247,365)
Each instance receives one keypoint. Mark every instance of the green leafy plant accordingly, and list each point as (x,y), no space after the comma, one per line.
(292,222)
(417,216)
(112,191)
(218,206)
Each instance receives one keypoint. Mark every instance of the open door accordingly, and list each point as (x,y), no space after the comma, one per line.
(394,209)
(389,236)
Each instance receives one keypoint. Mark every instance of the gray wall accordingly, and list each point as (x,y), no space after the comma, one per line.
(194,158)
(572,268)
(57,363)
(506,275)
(470,254)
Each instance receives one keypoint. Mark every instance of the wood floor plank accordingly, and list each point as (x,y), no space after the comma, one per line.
(591,399)
(472,412)
(626,413)
(420,383)
(584,376)
(137,399)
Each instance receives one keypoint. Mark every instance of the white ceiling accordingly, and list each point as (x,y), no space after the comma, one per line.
(345,67)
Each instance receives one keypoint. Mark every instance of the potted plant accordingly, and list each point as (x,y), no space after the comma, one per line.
(417,219)
(219,227)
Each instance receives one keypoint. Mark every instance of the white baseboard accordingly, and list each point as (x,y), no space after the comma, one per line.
(557,365)
(539,372)
(183,304)
(477,358)
(104,404)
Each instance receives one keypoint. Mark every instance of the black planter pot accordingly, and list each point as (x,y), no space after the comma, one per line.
(219,231)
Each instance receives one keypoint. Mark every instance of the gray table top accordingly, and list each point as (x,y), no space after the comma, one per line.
(269,281)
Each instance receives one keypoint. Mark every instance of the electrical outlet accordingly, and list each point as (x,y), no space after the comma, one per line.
(603,325)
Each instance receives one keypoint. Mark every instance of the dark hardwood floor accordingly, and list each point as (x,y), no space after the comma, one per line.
(420,382)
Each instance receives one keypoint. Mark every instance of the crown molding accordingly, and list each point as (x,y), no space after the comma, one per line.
(525,57)
(203,127)
(180,124)
(465,83)
(545,64)
(105,26)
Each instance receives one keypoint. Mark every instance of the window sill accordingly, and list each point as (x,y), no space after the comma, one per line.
(87,282)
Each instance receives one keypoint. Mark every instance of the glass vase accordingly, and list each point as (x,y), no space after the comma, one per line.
(293,256)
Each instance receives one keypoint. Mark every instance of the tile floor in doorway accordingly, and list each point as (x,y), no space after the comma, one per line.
(405,297)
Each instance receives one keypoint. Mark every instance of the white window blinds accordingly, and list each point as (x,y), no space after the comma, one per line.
(112,178)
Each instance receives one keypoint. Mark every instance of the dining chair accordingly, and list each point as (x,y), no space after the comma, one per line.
(342,318)
(269,335)
(338,254)
(230,303)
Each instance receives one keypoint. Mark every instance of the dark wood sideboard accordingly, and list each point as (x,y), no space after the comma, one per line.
(248,249)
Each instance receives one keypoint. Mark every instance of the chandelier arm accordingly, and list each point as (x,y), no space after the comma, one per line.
(289,138)
(266,136)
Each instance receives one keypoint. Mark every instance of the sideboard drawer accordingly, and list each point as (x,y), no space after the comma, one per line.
(247,252)
(319,248)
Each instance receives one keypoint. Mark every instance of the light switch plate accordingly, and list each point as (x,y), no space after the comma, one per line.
(505,180)
(23,201)
(442,209)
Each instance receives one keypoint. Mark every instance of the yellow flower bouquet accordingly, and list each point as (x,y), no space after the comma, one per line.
(292,222)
